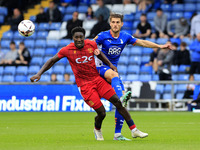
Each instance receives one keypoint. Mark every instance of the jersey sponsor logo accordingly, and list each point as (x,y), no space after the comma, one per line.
(83,59)
(90,50)
(114,50)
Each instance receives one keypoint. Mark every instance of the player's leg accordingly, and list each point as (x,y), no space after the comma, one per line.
(122,110)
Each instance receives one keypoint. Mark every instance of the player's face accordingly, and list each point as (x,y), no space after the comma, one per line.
(79,39)
(115,24)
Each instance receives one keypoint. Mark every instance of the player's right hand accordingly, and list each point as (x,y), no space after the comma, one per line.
(113,68)
(35,78)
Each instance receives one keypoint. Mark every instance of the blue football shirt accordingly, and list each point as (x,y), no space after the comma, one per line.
(111,46)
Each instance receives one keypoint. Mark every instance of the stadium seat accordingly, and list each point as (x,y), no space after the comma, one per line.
(146,70)
(49,72)
(94,7)
(196,77)
(128,25)
(175,40)
(174,77)
(82,9)
(134,60)
(36,61)
(7,35)
(50,52)
(5,44)
(174,69)
(133,69)
(177,7)
(145,59)
(1,19)
(179,96)
(129,9)
(187,15)
(42,34)
(63,61)
(33,36)
(135,24)
(1,70)
(123,77)
(132,77)
(60,78)
(62,34)
(136,51)
(155,77)
(183,77)
(188,41)
(21,70)
(122,69)
(181,88)
(160,88)
(39,52)
(64,42)
(151,15)
(190,7)
(118,8)
(70,10)
(67,17)
(168,14)
(58,69)
(29,43)
(46,58)
(123,60)
(45,78)
(3,11)
(157,96)
(33,70)
(43,27)
(166,7)
(0,78)
(161,40)
(40,44)
(167,96)
(88,25)
(167,88)
(183,68)
(128,17)
(127,31)
(145,77)
(68,70)
(62,9)
(176,15)
(9,70)
(72,78)
(53,35)
(8,78)
(32,18)
(52,43)
(17,36)
(137,16)
(126,51)
(55,26)
(20,78)
(147,51)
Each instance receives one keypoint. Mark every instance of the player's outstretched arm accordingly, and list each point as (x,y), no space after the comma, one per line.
(45,67)
(103,58)
(149,44)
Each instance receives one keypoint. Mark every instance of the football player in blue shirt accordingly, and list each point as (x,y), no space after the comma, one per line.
(112,43)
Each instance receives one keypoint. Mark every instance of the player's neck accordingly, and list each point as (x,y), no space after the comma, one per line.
(115,34)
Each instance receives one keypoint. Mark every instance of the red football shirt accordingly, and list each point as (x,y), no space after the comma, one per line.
(82,61)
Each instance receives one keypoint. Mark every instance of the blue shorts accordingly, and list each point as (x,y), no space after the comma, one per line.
(102,71)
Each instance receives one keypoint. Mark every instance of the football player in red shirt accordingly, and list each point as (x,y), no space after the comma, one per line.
(91,86)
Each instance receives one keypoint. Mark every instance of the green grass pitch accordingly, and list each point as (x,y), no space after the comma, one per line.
(74,131)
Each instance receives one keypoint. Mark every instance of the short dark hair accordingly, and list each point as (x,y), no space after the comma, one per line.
(12,42)
(144,15)
(78,29)
(115,15)
(175,44)
(21,43)
(159,9)
(183,44)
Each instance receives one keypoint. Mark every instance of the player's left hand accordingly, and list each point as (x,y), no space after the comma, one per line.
(113,68)
(96,52)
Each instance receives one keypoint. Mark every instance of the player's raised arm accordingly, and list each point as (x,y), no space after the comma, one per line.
(103,58)
(149,44)
(45,67)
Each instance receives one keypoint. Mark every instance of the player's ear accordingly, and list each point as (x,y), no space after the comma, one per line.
(122,24)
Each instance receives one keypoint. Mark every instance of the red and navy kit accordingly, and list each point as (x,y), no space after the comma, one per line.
(92,87)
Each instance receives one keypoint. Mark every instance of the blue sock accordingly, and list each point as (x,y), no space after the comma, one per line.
(119,120)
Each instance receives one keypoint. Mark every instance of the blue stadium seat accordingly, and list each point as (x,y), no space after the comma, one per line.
(32,18)
(37,61)
(190,1)
(40,44)
(46,58)
(134,60)
(188,41)
(175,40)
(62,9)
(151,15)
(43,26)
(1,70)
(55,26)
(145,77)
(64,42)
(183,77)
(17,36)
(187,15)
(122,69)
(33,36)
(50,52)
(181,88)
(196,76)
(1,78)
(39,52)
(132,77)
(168,14)
(3,11)
(155,77)
(70,10)
(21,70)
(174,69)
(63,61)
(166,7)
(150,39)
(161,40)
(123,77)
(20,78)
(135,24)
(167,96)
(128,31)
(176,15)
(183,68)
(7,35)
(147,51)
(128,17)
(126,51)
(42,35)
(146,70)
(82,9)
(49,72)
(157,96)
(68,70)
(8,78)
(67,17)
(60,78)
(145,59)
(72,78)
(5,44)
(123,60)
(29,43)
(128,25)
(1,19)
(133,69)
(137,16)
(9,70)
(59,69)
(177,7)
(36,26)
(136,51)
(33,70)
(190,7)
(174,77)
(45,78)
(52,43)
(198,6)
(179,95)
(167,88)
